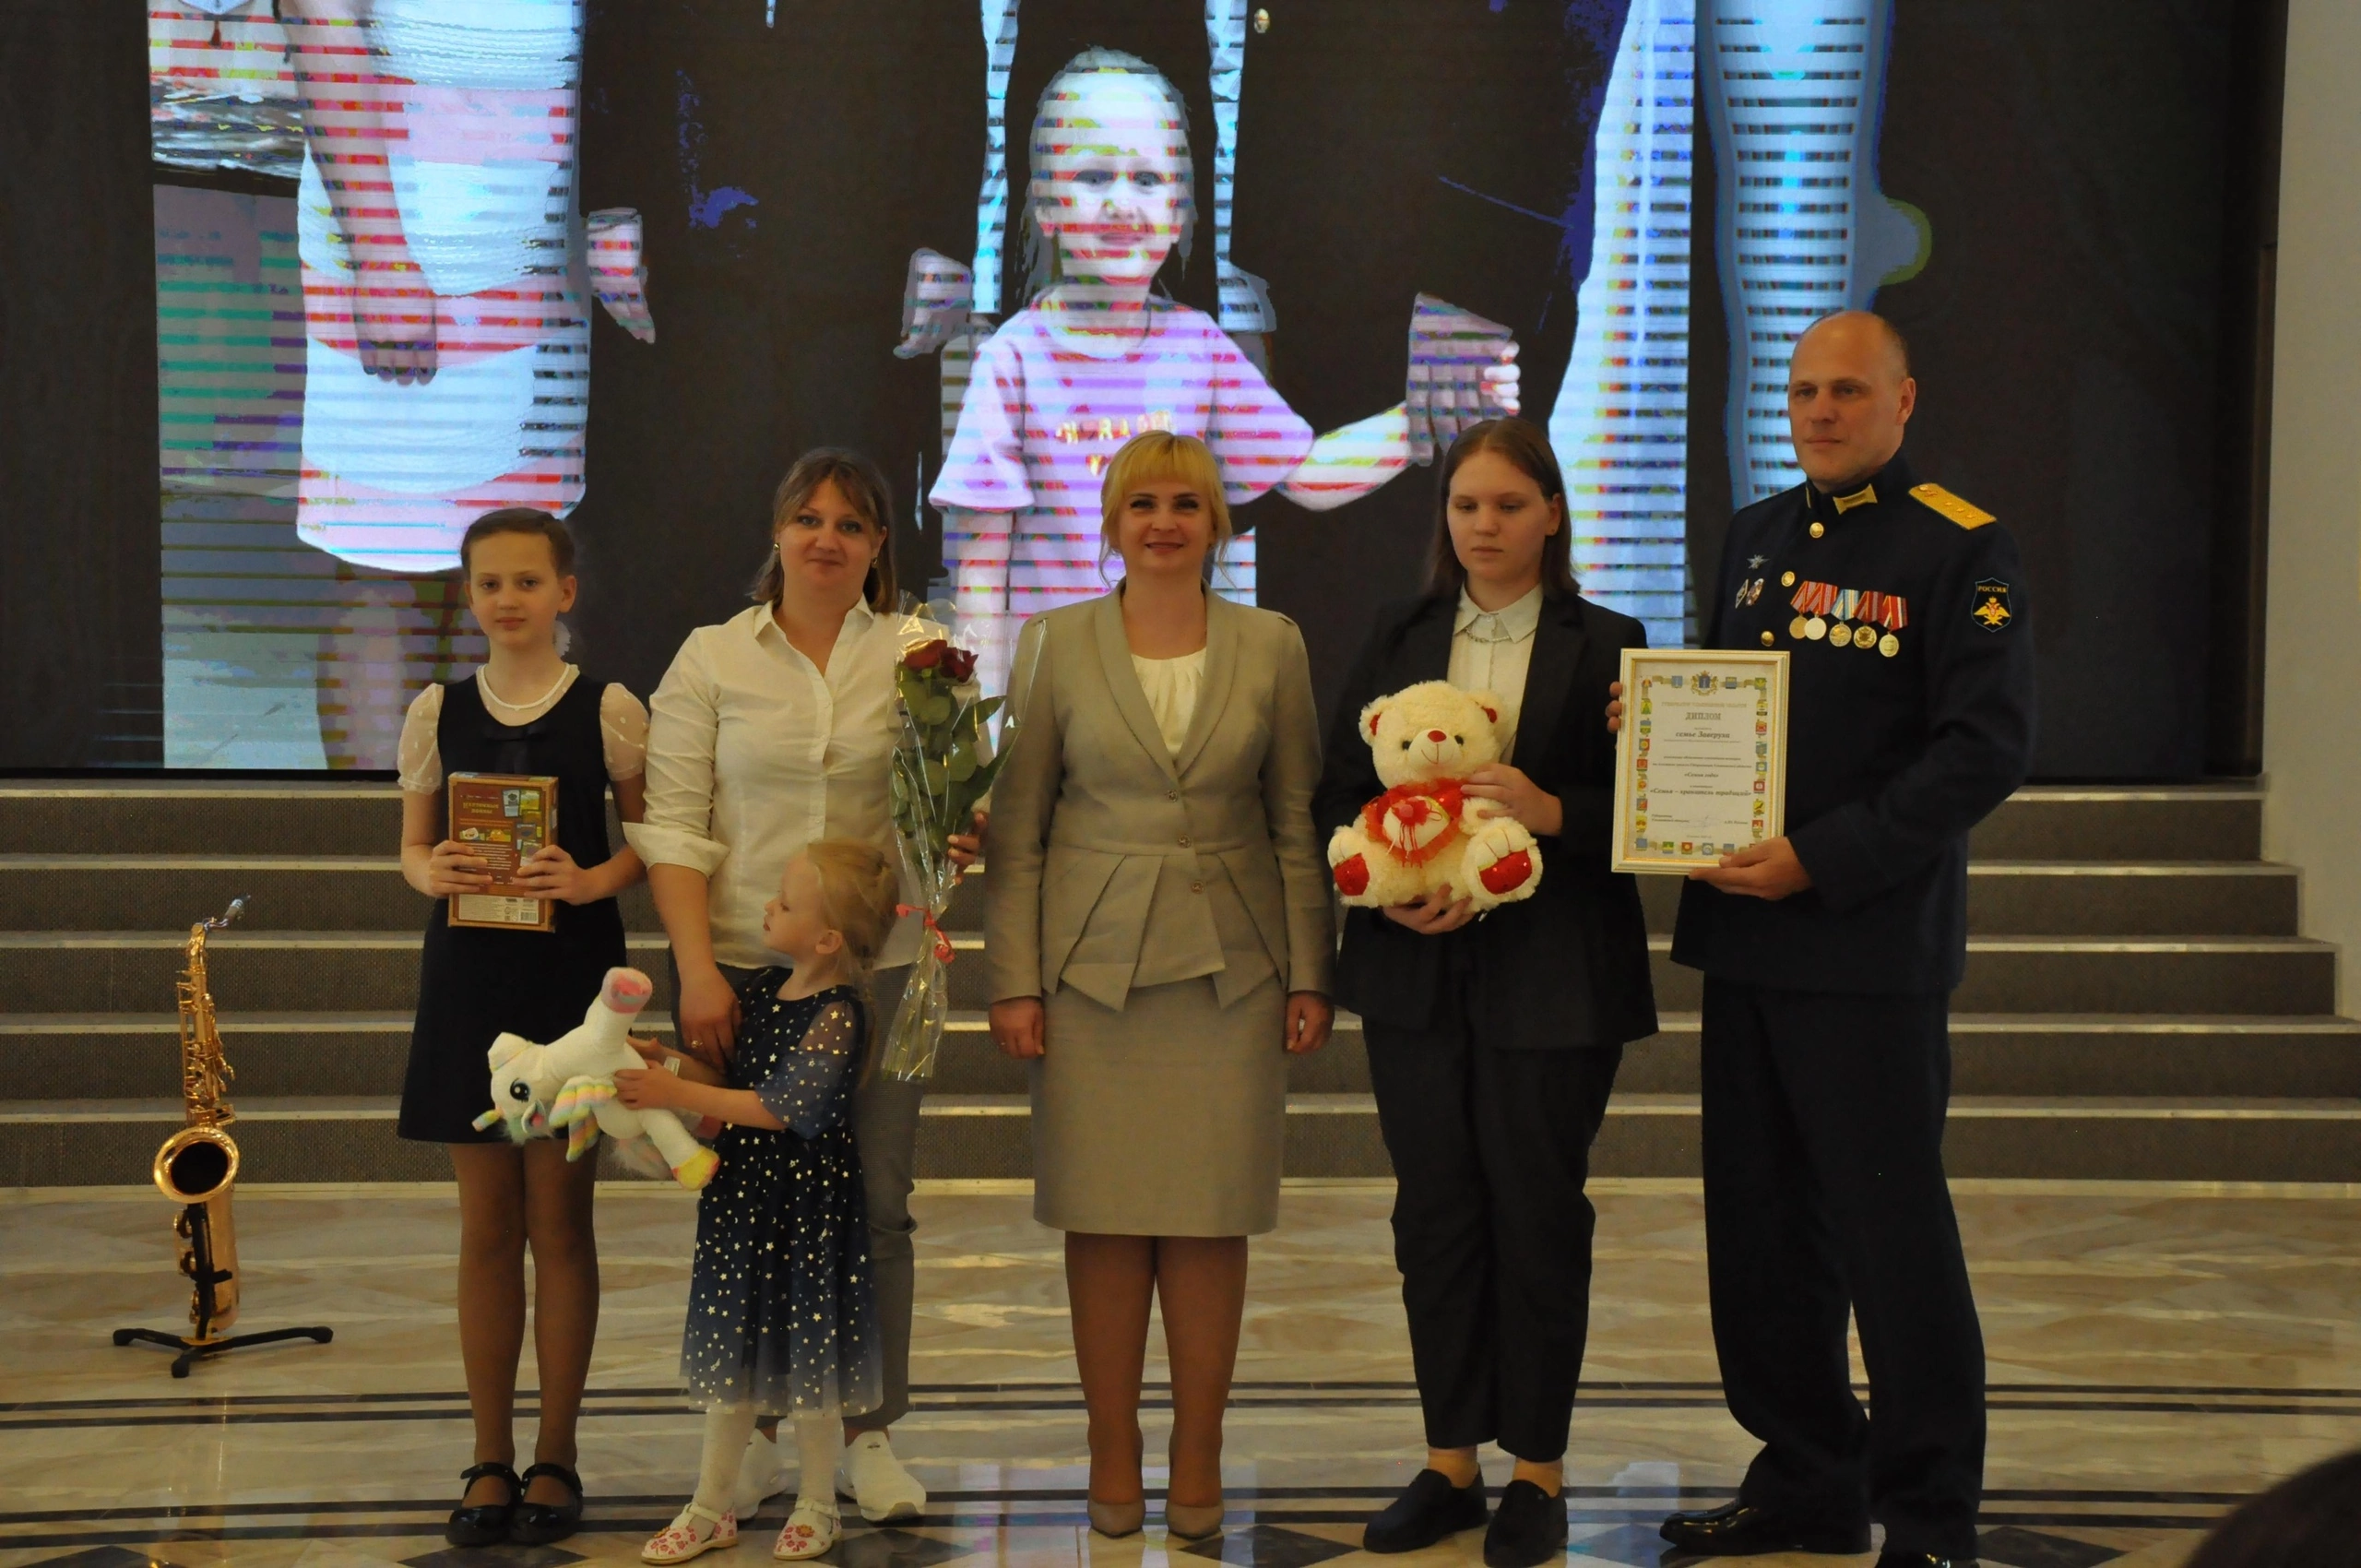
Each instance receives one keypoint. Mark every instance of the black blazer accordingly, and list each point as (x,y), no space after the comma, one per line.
(1567,967)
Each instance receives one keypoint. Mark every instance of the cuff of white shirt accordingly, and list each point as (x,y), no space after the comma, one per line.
(675,847)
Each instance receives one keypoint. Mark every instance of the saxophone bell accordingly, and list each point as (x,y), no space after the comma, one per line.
(194,1169)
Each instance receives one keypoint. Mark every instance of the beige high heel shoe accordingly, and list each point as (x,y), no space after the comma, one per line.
(1192,1522)
(1116,1519)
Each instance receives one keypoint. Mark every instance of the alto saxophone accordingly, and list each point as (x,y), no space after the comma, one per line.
(197,1165)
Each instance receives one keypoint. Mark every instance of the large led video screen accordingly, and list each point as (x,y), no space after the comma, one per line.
(420,258)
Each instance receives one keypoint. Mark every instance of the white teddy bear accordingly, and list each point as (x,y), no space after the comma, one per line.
(570,1083)
(1423,833)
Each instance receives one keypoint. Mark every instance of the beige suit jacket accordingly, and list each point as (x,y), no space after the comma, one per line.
(1115,863)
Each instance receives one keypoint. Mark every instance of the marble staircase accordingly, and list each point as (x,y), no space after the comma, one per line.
(2137,1004)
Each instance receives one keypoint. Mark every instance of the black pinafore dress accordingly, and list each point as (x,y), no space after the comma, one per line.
(475,984)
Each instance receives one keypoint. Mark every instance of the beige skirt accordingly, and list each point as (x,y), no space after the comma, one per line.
(1165,1117)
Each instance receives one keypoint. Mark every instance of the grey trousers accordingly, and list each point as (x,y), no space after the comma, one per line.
(885,1124)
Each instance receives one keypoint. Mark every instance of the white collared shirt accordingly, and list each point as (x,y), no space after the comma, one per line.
(1491,650)
(753,753)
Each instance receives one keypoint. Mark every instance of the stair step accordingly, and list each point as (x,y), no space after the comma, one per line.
(2122,897)
(258,971)
(2043,1054)
(330,817)
(2193,822)
(122,892)
(304,893)
(62,1055)
(2093,1138)
(2202,822)
(269,971)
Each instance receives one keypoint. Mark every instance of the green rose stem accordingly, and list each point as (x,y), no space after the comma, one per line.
(941,771)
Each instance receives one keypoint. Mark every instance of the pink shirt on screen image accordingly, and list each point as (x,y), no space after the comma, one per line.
(1040,421)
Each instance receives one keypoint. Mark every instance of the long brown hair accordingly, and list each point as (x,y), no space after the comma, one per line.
(1523,443)
(864,489)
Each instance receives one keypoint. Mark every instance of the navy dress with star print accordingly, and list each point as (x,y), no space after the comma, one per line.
(780,1312)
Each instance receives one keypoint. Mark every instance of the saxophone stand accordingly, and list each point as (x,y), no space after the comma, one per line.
(192,1350)
(196,1227)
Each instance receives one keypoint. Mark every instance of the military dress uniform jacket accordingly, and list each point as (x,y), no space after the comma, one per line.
(1905,732)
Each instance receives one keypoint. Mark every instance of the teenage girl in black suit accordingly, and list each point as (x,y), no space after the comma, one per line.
(1493,1044)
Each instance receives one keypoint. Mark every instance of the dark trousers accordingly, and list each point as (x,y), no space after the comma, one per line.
(1824,1191)
(1491,1231)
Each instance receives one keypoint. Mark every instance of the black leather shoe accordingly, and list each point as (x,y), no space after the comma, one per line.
(484,1524)
(1739,1529)
(1890,1558)
(1429,1510)
(536,1523)
(1528,1529)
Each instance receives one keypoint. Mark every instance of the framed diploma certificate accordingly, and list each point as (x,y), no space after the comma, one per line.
(504,817)
(1700,763)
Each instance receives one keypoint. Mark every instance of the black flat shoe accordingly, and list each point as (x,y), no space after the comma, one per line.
(1890,1558)
(537,1524)
(1741,1530)
(1528,1528)
(484,1524)
(1429,1510)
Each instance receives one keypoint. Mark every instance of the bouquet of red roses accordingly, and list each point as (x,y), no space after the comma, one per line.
(943,765)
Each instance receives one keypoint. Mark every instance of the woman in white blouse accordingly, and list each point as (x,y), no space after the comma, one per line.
(771,729)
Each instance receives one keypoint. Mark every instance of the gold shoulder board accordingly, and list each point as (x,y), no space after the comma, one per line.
(1965,515)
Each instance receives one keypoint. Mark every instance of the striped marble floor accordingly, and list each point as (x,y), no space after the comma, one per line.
(2157,1352)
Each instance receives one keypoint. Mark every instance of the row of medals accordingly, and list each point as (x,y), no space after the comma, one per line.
(1862,637)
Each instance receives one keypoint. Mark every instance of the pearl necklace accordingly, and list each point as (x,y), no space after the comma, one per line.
(483,684)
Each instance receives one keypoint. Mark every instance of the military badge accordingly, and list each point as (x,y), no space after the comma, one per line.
(1990,607)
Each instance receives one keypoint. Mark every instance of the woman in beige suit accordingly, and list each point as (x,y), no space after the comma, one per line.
(1159,933)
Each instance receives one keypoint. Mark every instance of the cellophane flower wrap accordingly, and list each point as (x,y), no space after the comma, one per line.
(943,764)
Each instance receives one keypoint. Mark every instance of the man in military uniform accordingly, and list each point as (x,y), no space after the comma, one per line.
(1828,957)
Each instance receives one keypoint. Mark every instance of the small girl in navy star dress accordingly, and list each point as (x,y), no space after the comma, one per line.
(780,1317)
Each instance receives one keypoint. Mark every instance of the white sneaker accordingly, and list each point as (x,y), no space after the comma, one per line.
(761,1474)
(811,1530)
(871,1476)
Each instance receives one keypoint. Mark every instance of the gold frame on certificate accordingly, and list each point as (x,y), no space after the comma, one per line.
(1766,674)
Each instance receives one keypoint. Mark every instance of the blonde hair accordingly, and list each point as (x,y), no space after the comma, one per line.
(1154,457)
(860,892)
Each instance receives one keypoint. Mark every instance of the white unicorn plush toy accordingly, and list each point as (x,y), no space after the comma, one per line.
(570,1083)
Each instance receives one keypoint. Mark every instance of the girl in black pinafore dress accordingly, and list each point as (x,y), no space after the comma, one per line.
(525,712)
(475,984)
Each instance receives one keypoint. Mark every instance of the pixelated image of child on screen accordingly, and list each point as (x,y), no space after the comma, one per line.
(1099,355)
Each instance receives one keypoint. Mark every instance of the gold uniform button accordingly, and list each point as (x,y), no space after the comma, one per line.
(1172,794)
(1787,579)
(1817,530)
(1768,639)
(1196,888)
(1184,840)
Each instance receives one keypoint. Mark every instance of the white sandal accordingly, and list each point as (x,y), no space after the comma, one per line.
(812,1529)
(680,1540)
